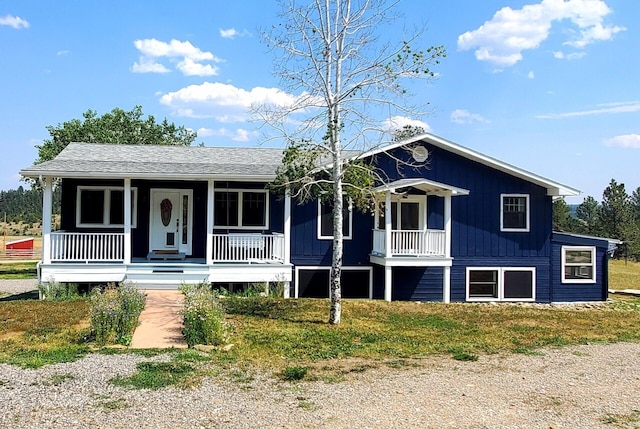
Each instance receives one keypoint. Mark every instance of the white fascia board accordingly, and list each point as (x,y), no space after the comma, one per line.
(149,176)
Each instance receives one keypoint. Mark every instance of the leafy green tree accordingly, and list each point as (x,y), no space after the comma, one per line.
(330,51)
(116,127)
(588,214)
(406,132)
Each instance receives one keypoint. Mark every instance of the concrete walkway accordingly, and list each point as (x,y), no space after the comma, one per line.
(160,321)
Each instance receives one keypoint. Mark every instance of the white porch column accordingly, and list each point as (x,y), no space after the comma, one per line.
(388,279)
(287,238)
(210,196)
(446,274)
(446,287)
(387,225)
(127,221)
(447,226)
(287,227)
(47,204)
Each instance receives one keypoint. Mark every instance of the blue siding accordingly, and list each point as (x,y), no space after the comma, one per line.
(417,284)
(476,217)
(459,274)
(307,249)
(569,292)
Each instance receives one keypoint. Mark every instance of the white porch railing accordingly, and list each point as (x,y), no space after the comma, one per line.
(87,246)
(250,248)
(410,243)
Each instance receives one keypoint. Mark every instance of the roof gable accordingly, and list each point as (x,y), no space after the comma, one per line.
(553,188)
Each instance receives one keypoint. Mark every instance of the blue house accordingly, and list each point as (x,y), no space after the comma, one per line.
(462,227)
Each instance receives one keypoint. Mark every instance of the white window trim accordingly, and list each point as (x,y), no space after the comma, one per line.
(107,206)
(344,268)
(319,223)
(528,220)
(422,210)
(240,200)
(593,264)
(501,271)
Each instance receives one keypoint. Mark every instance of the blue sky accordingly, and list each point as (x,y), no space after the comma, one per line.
(551,86)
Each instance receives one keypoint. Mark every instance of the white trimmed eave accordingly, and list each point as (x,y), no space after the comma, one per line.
(430,187)
(553,188)
(34,174)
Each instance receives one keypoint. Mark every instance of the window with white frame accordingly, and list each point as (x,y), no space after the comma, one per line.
(514,212)
(325,220)
(501,283)
(578,264)
(103,207)
(243,209)
(408,213)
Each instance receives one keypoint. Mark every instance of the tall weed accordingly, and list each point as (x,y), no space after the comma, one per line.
(204,317)
(59,291)
(115,312)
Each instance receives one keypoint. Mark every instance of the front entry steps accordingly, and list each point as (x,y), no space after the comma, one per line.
(164,276)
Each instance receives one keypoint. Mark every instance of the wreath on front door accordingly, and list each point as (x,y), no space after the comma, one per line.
(165,211)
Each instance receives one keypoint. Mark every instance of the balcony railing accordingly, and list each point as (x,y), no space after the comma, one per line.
(250,248)
(410,243)
(87,247)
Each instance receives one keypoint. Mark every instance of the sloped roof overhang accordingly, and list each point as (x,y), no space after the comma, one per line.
(430,187)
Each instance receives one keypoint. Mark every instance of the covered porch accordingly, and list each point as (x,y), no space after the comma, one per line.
(220,254)
(402,236)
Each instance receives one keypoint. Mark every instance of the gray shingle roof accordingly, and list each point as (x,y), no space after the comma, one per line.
(109,160)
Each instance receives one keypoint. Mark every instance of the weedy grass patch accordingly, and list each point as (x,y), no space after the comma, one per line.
(18,270)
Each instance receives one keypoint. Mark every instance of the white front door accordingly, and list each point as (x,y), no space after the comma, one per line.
(171,219)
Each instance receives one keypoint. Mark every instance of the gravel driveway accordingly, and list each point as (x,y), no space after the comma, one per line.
(592,386)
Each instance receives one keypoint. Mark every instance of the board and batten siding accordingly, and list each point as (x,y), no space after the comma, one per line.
(307,249)
(571,292)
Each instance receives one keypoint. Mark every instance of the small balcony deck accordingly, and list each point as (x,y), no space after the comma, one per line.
(410,248)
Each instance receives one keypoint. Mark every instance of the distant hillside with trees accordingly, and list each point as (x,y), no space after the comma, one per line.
(616,216)
(25,205)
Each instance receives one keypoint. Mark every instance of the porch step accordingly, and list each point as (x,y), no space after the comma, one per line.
(166,276)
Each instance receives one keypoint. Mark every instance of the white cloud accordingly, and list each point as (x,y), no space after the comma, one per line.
(188,67)
(14,21)
(398,122)
(502,39)
(224,102)
(462,116)
(62,53)
(618,107)
(147,65)
(239,134)
(531,75)
(188,58)
(572,56)
(625,141)
(232,33)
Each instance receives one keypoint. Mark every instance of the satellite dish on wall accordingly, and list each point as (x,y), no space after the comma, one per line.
(420,153)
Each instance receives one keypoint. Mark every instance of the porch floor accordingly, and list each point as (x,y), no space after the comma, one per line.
(160,322)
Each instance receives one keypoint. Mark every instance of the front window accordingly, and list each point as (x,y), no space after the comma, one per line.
(103,207)
(514,213)
(578,264)
(501,284)
(325,220)
(241,208)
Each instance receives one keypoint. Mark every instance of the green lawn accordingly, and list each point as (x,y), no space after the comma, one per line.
(275,334)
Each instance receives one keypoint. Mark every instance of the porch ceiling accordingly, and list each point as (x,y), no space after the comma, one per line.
(428,186)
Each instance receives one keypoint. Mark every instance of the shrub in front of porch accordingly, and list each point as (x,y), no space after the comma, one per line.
(115,312)
(204,317)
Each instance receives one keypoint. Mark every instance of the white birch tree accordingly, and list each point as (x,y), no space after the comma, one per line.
(348,81)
